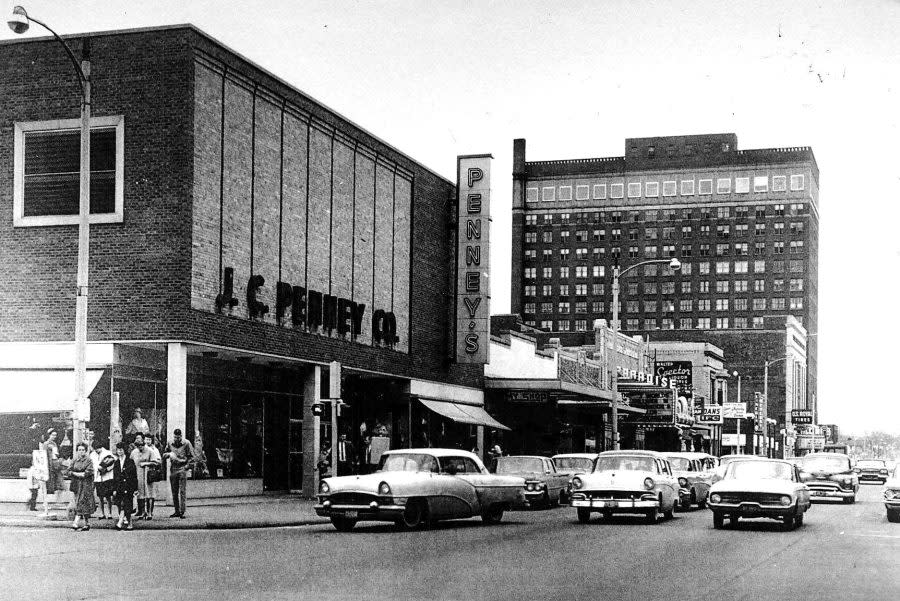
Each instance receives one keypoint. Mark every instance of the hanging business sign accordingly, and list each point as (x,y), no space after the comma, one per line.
(473,314)
(734,410)
(801,416)
(679,373)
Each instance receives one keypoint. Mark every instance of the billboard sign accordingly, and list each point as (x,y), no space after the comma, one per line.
(473,294)
(734,410)
(801,416)
(710,414)
(679,373)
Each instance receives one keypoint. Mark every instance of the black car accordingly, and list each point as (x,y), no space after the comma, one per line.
(829,476)
(872,469)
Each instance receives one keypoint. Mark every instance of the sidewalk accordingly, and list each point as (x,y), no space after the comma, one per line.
(268,511)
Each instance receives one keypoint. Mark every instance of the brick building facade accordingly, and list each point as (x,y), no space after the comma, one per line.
(260,236)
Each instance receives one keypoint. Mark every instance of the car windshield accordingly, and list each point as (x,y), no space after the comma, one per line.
(770,470)
(407,462)
(680,464)
(583,464)
(877,464)
(625,462)
(512,465)
(821,463)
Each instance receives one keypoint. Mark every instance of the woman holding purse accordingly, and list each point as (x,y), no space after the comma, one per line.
(125,483)
(82,474)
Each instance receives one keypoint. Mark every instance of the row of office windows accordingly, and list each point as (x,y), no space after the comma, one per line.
(670,232)
(703,268)
(685,287)
(652,251)
(652,306)
(758,184)
(684,323)
(760,212)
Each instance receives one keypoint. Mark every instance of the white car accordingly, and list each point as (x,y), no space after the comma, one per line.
(417,487)
(892,496)
(573,464)
(759,488)
(626,482)
(694,477)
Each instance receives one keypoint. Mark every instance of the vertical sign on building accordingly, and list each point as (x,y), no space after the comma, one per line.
(473,314)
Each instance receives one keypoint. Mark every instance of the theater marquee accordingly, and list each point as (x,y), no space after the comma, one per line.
(473,294)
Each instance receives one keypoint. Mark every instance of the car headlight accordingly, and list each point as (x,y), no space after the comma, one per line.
(324,488)
(882,472)
(786,500)
(384,489)
(848,481)
(889,494)
(577,482)
(682,482)
(857,470)
(648,483)
(715,498)
(529,486)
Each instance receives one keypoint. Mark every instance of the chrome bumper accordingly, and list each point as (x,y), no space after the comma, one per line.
(614,505)
(830,494)
(387,513)
(751,508)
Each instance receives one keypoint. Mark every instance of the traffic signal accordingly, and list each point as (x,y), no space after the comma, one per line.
(317,409)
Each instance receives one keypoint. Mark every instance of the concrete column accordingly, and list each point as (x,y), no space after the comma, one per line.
(176,389)
(311,394)
(480,441)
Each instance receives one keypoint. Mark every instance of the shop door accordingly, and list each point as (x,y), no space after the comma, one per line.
(275,444)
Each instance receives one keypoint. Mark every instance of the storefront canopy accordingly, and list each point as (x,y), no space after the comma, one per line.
(463,414)
(42,391)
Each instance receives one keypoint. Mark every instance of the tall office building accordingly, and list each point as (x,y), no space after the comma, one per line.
(744,224)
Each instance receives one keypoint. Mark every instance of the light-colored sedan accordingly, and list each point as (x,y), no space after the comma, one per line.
(416,487)
(544,486)
(694,479)
(892,496)
(626,482)
(759,488)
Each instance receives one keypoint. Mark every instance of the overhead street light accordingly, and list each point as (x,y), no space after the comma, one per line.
(19,23)
(674,265)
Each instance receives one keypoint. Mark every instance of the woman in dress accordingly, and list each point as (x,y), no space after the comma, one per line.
(125,483)
(82,474)
(156,459)
(54,463)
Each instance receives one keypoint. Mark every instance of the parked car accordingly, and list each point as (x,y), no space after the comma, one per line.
(829,476)
(416,487)
(892,496)
(626,482)
(872,469)
(694,478)
(572,464)
(759,488)
(544,486)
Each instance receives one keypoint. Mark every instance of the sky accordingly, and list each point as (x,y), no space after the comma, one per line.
(436,79)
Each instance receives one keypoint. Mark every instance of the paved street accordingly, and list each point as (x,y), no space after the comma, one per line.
(846,552)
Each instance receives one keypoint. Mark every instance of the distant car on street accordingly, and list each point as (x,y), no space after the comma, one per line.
(572,464)
(759,488)
(417,487)
(892,496)
(626,482)
(694,478)
(829,476)
(544,486)
(872,469)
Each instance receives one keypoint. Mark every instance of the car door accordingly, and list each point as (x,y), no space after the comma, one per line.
(703,478)
(489,488)
(668,484)
(556,482)
(455,497)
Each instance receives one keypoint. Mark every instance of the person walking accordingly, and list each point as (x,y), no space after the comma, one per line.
(38,474)
(82,474)
(125,484)
(142,457)
(180,454)
(102,460)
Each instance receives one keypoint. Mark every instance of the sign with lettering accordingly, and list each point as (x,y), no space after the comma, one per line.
(734,410)
(710,414)
(473,294)
(801,416)
(679,373)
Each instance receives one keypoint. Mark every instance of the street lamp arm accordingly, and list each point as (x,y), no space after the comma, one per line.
(773,361)
(82,78)
(630,267)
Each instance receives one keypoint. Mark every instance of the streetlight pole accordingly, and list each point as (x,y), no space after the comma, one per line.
(18,23)
(787,413)
(738,445)
(675,264)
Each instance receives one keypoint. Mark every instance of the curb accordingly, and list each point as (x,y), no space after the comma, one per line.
(163,525)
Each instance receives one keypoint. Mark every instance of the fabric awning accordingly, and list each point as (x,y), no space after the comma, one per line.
(42,391)
(463,414)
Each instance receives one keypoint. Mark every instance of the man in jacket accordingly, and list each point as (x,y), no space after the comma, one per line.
(180,454)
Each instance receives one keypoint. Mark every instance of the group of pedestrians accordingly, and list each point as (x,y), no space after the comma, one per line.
(115,478)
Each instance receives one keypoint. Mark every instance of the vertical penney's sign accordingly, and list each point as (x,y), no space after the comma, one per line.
(473,294)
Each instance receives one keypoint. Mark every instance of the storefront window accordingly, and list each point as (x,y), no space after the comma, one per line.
(229,427)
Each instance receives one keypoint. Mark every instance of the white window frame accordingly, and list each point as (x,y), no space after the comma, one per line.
(723,185)
(548,194)
(634,189)
(670,188)
(582,192)
(760,183)
(687,187)
(651,189)
(779,183)
(617,190)
(565,193)
(20,128)
(599,191)
(741,185)
(531,194)
(801,185)
(700,185)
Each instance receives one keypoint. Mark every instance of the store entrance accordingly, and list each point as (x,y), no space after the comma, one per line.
(276,436)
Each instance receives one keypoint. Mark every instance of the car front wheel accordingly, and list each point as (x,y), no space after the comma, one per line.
(652,516)
(584,515)
(850,500)
(493,515)
(788,521)
(893,515)
(718,520)
(343,524)
(415,515)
